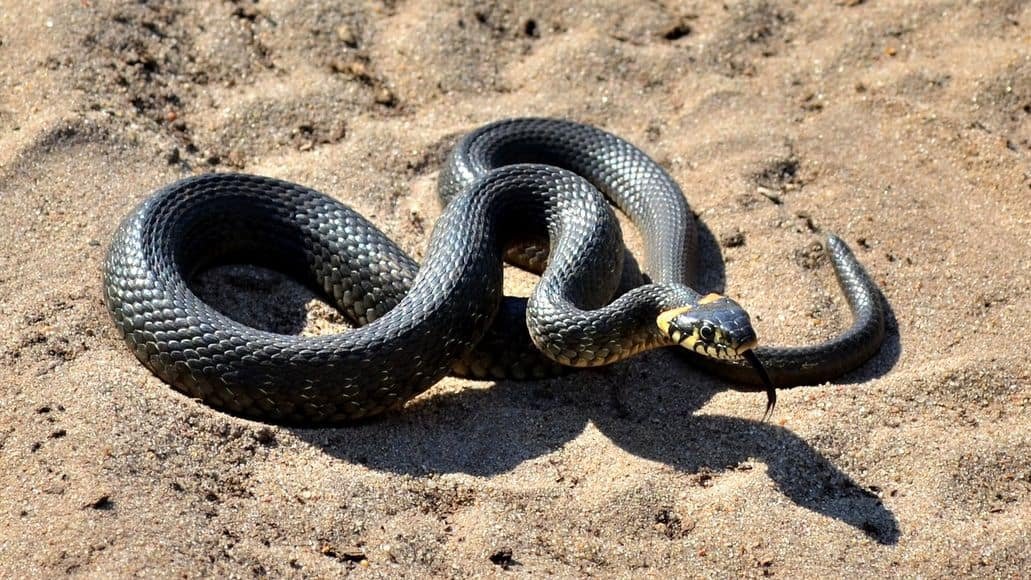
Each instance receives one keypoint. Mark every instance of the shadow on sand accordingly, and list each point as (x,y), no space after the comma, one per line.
(485,432)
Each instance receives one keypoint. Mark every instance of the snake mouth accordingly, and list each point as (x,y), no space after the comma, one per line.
(717,350)
(742,349)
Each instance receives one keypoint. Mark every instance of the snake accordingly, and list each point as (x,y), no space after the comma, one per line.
(536,192)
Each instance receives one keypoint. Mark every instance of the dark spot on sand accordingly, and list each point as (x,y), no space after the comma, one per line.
(678,31)
(504,558)
(352,554)
(811,256)
(733,239)
(102,503)
(265,436)
(779,174)
(530,29)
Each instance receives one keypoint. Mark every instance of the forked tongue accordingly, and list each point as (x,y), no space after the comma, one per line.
(771,393)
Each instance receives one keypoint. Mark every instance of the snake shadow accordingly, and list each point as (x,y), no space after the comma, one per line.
(485,430)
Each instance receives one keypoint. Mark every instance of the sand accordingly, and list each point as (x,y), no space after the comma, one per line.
(904,127)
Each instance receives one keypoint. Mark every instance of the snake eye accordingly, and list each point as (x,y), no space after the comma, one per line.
(707,332)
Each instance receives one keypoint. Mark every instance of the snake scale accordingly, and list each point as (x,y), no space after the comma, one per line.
(525,189)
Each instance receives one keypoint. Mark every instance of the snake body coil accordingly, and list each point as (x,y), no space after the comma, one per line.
(509,184)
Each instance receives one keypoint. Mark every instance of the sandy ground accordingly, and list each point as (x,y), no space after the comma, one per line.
(905,127)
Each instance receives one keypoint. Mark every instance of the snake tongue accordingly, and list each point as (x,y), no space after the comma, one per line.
(771,392)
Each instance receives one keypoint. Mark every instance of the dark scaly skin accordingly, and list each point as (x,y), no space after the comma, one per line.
(404,346)
(418,323)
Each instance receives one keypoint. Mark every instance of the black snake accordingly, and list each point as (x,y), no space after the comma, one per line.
(522,188)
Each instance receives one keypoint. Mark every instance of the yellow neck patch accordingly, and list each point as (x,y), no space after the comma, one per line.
(666,318)
(710,298)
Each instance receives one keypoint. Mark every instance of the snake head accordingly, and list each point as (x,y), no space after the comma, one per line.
(716,327)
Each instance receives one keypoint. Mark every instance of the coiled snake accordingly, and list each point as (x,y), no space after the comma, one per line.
(528,187)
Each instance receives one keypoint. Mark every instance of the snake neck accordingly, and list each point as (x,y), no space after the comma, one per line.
(572,335)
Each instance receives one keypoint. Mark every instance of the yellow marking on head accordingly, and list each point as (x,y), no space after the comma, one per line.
(666,318)
(709,298)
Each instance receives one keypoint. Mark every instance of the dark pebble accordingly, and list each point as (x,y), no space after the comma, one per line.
(503,558)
